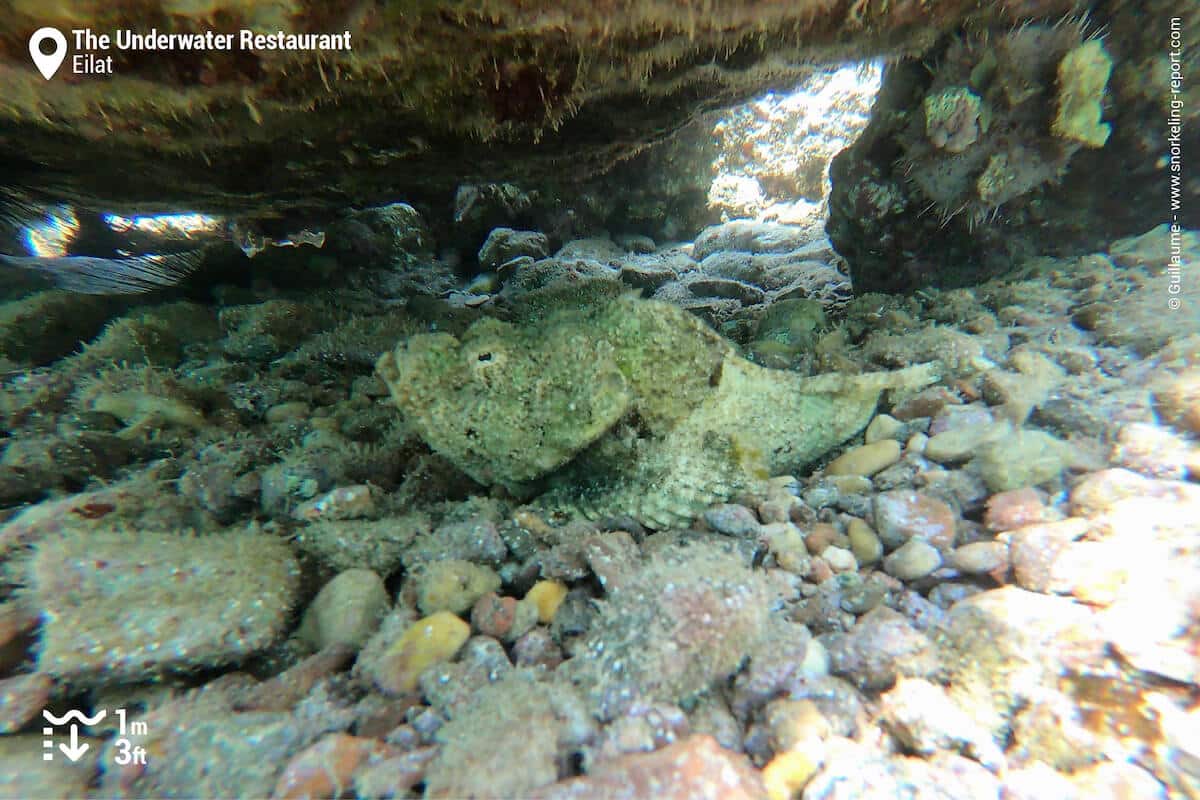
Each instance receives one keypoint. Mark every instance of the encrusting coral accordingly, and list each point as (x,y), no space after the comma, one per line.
(629,407)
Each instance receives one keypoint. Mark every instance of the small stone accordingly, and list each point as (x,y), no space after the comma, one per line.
(1177,400)
(294,411)
(819,537)
(913,560)
(1013,509)
(393,776)
(346,611)
(1027,458)
(902,514)
(1034,549)
(848,485)
(958,445)
(866,460)
(22,697)
(695,767)
(732,519)
(1100,491)
(547,596)
(916,444)
(1153,451)
(453,585)
(881,646)
(980,558)
(283,691)
(345,502)
(326,769)
(864,543)
(787,544)
(883,426)
(786,774)
(926,403)
(493,615)
(839,559)
(505,244)
(537,648)
(427,641)
(926,720)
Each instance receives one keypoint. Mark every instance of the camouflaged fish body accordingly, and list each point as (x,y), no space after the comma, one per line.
(635,407)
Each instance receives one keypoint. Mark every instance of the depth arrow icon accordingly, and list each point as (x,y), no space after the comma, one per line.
(75,750)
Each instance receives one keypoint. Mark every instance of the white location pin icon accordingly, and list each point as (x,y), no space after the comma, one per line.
(48,64)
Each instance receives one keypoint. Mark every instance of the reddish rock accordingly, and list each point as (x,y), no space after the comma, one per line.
(287,688)
(1034,549)
(696,768)
(327,768)
(537,649)
(1014,509)
(819,537)
(21,699)
(393,776)
(493,615)
(927,403)
(903,514)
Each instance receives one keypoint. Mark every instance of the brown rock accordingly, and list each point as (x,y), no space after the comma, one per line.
(902,514)
(327,768)
(1014,509)
(287,688)
(493,615)
(696,768)
(1033,550)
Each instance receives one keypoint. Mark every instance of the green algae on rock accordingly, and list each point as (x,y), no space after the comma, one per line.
(630,407)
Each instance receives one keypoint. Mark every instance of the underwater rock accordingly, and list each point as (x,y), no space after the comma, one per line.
(683,622)
(511,405)
(417,102)
(123,606)
(474,760)
(993,149)
(696,768)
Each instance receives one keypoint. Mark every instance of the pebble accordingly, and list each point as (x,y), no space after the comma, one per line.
(537,648)
(1154,451)
(427,641)
(326,769)
(547,596)
(1177,400)
(839,559)
(1027,458)
(926,720)
(819,537)
(1034,549)
(786,774)
(881,646)
(864,544)
(902,514)
(958,445)
(883,426)
(346,611)
(695,767)
(926,403)
(345,502)
(981,558)
(294,411)
(732,519)
(453,585)
(1013,509)
(493,615)
(787,544)
(913,560)
(866,459)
